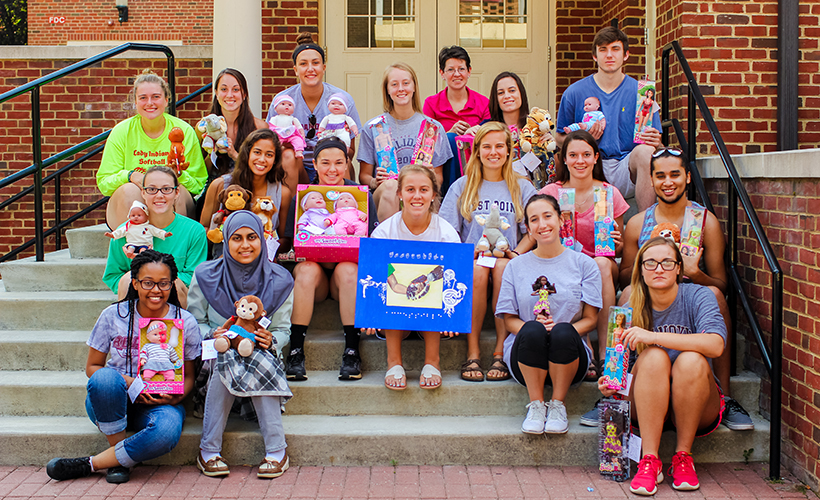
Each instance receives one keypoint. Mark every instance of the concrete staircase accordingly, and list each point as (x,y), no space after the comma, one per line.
(47,310)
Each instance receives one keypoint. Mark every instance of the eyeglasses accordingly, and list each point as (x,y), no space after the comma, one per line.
(666,264)
(312,132)
(671,151)
(451,71)
(164,190)
(149,285)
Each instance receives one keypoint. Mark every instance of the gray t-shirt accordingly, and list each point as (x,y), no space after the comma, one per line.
(695,310)
(488,193)
(404,134)
(110,335)
(575,276)
(302,112)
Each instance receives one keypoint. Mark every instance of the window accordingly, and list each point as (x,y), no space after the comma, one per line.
(493,23)
(389,24)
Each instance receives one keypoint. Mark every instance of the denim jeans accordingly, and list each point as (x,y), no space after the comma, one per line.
(157,428)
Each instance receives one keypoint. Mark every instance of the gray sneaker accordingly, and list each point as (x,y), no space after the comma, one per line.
(735,416)
(590,418)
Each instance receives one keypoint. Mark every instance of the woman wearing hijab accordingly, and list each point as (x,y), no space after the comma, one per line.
(216,287)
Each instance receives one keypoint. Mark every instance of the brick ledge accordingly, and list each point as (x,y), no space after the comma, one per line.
(82,52)
(775,165)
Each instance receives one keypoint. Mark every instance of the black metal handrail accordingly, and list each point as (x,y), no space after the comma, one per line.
(772,359)
(36,169)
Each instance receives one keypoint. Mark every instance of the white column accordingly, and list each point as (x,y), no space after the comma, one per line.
(237,43)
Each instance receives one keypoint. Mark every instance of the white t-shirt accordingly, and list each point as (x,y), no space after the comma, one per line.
(394,228)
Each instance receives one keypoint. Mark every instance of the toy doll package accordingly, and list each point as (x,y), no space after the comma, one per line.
(614,427)
(161,360)
(425,144)
(692,230)
(566,201)
(616,363)
(383,141)
(464,145)
(330,220)
(645,108)
(604,221)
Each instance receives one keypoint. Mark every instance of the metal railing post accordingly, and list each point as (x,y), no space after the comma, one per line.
(38,174)
(777,374)
(665,94)
(58,243)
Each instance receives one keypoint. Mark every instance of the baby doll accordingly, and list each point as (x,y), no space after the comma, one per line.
(543,288)
(592,114)
(346,217)
(334,123)
(314,215)
(157,356)
(139,234)
(286,126)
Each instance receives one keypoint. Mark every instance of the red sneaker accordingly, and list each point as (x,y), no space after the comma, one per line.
(683,472)
(650,473)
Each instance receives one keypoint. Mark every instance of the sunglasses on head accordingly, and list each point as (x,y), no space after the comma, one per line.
(671,151)
(312,132)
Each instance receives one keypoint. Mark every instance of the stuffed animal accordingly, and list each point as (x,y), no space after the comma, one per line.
(241,328)
(233,198)
(492,240)
(537,131)
(667,230)
(214,130)
(264,209)
(176,158)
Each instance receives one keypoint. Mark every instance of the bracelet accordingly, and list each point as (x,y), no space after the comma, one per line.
(130,173)
(516,253)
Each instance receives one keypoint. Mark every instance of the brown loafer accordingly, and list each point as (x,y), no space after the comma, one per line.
(270,469)
(214,467)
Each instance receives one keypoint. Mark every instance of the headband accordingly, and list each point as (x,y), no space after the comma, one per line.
(282,97)
(338,96)
(307,195)
(327,143)
(340,197)
(308,46)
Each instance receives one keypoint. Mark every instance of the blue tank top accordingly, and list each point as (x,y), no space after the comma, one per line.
(649,224)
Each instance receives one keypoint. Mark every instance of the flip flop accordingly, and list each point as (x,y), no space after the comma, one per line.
(397,372)
(428,372)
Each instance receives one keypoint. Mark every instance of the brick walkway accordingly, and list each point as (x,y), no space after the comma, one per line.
(718,481)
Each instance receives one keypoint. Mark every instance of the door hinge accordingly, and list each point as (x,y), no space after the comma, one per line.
(549,53)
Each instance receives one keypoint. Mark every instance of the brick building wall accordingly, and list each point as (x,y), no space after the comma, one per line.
(788,210)
(190,22)
(81,106)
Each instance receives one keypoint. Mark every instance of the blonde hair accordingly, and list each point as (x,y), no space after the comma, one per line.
(475,173)
(388,102)
(418,169)
(148,76)
(640,300)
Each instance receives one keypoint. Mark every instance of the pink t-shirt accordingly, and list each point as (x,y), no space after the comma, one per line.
(584,222)
(475,111)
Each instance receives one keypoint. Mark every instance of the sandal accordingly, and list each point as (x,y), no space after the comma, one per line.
(397,372)
(594,371)
(427,373)
(472,366)
(500,366)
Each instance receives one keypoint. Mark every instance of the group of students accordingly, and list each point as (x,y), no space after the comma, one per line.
(673,375)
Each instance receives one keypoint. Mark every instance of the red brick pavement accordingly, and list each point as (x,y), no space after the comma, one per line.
(718,481)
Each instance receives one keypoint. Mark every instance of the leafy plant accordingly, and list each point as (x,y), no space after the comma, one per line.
(13,22)
(747,454)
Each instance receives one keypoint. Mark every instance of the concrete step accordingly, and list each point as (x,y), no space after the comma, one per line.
(58,272)
(43,350)
(370,440)
(34,393)
(54,310)
(88,242)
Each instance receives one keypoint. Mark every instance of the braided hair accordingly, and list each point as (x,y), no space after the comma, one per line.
(131,297)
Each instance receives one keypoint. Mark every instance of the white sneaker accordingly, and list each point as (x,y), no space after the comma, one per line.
(536,416)
(557,422)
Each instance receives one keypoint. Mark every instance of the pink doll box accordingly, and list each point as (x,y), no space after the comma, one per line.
(425,144)
(161,360)
(464,144)
(327,247)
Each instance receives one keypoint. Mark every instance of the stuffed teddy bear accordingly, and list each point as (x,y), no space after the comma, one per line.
(233,198)
(537,131)
(492,240)
(214,130)
(667,230)
(176,158)
(264,209)
(241,328)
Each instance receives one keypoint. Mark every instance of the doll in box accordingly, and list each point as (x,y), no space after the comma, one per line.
(346,217)
(315,212)
(139,233)
(592,114)
(337,123)
(286,126)
(157,356)
(427,145)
